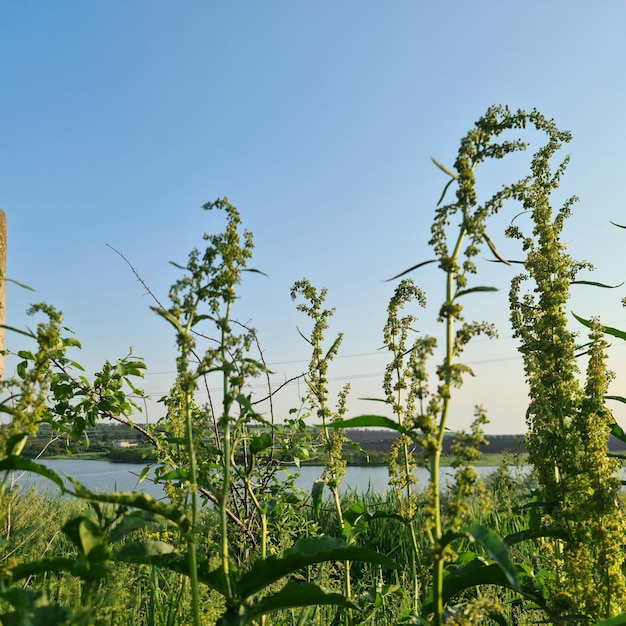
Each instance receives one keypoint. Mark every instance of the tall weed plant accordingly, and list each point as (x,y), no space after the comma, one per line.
(237,544)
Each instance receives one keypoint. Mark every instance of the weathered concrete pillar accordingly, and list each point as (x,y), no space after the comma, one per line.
(3,283)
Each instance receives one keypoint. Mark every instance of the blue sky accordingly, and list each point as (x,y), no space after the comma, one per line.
(119,119)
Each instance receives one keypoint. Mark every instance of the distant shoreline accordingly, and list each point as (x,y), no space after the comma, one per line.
(486,460)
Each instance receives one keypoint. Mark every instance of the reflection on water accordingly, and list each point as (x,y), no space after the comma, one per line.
(103,476)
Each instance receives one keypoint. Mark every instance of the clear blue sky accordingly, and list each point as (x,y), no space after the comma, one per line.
(120,118)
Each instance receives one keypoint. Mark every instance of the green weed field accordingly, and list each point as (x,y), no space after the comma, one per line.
(236,544)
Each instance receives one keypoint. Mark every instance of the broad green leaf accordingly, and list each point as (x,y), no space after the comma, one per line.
(40,566)
(360,512)
(616,429)
(620,334)
(303,553)
(595,284)
(464,292)
(22,368)
(295,594)
(316,497)
(15,444)
(84,534)
(414,267)
(244,403)
(575,618)
(477,572)
(355,446)
(14,462)
(260,443)
(362,421)
(144,472)
(618,620)
(496,549)
(71,342)
(129,522)
(136,500)
(525,535)
(141,551)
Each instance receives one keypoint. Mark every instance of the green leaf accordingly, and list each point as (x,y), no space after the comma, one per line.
(616,429)
(495,547)
(414,267)
(84,534)
(16,282)
(295,594)
(14,462)
(358,512)
(333,349)
(20,332)
(494,250)
(136,500)
(525,535)
(260,443)
(129,522)
(244,402)
(595,284)
(71,342)
(445,191)
(443,168)
(303,553)
(15,444)
(144,472)
(477,572)
(620,334)
(22,368)
(618,225)
(40,566)
(618,398)
(508,261)
(167,315)
(316,497)
(464,292)
(254,271)
(363,421)
(178,473)
(618,620)
(142,551)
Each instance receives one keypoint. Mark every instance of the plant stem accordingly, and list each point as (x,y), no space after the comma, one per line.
(191,538)
(435,458)
(226,433)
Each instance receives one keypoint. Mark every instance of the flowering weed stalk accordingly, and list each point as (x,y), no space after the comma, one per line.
(568,423)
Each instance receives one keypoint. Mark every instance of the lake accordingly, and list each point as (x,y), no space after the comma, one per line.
(106,476)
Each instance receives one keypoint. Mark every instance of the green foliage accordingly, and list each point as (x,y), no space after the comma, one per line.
(236,542)
(568,423)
